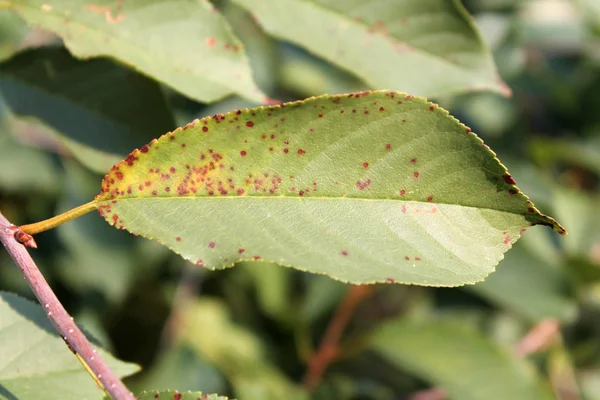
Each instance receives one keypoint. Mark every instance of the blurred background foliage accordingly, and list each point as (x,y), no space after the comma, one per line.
(250,331)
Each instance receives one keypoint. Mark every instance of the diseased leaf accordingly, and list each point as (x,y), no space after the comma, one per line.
(186,44)
(367,187)
(458,359)
(173,394)
(426,47)
(34,361)
(97,122)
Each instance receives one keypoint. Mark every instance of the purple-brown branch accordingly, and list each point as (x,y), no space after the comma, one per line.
(59,317)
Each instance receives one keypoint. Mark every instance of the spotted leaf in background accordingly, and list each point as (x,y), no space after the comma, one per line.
(185,44)
(366,187)
(425,47)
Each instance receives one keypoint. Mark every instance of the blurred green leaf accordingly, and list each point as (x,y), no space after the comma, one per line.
(459,359)
(303,74)
(154,37)
(273,289)
(34,361)
(237,352)
(426,47)
(362,197)
(181,368)
(530,287)
(97,109)
(22,169)
(322,295)
(173,394)
(95,258)
(262,50)
(12,32)
(550,25)
(547,151)
(579,211)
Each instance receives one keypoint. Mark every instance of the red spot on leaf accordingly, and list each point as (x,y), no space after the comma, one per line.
(205,129)
(241,251)
(416,174)
(301,151)
(402,192)
(249,124)
(178,239)
(362,185)
(344,253)
(211,245)
(119,175)
(388,147)
(366,165)
(211,42)
(509,179)
(243,153)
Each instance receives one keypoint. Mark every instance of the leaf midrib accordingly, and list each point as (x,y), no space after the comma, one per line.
(297,198)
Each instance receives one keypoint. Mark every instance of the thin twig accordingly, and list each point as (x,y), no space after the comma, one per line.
(329,349)
(59,317)
(538,338)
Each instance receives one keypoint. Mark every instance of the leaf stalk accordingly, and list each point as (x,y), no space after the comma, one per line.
(53,222)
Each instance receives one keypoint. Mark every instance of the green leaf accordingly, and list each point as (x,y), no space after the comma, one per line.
(41,174)
(531,287)
(422,47)
(180,367)
(99,122)
(457,358)
(173,394)
(369,187)
(184,43)
(95,257)
(236,351)
(34,361)
(12,33)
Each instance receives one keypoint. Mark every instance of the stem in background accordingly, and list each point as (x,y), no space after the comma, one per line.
(329,349)
(53,222)
(187,289)
(59,317)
